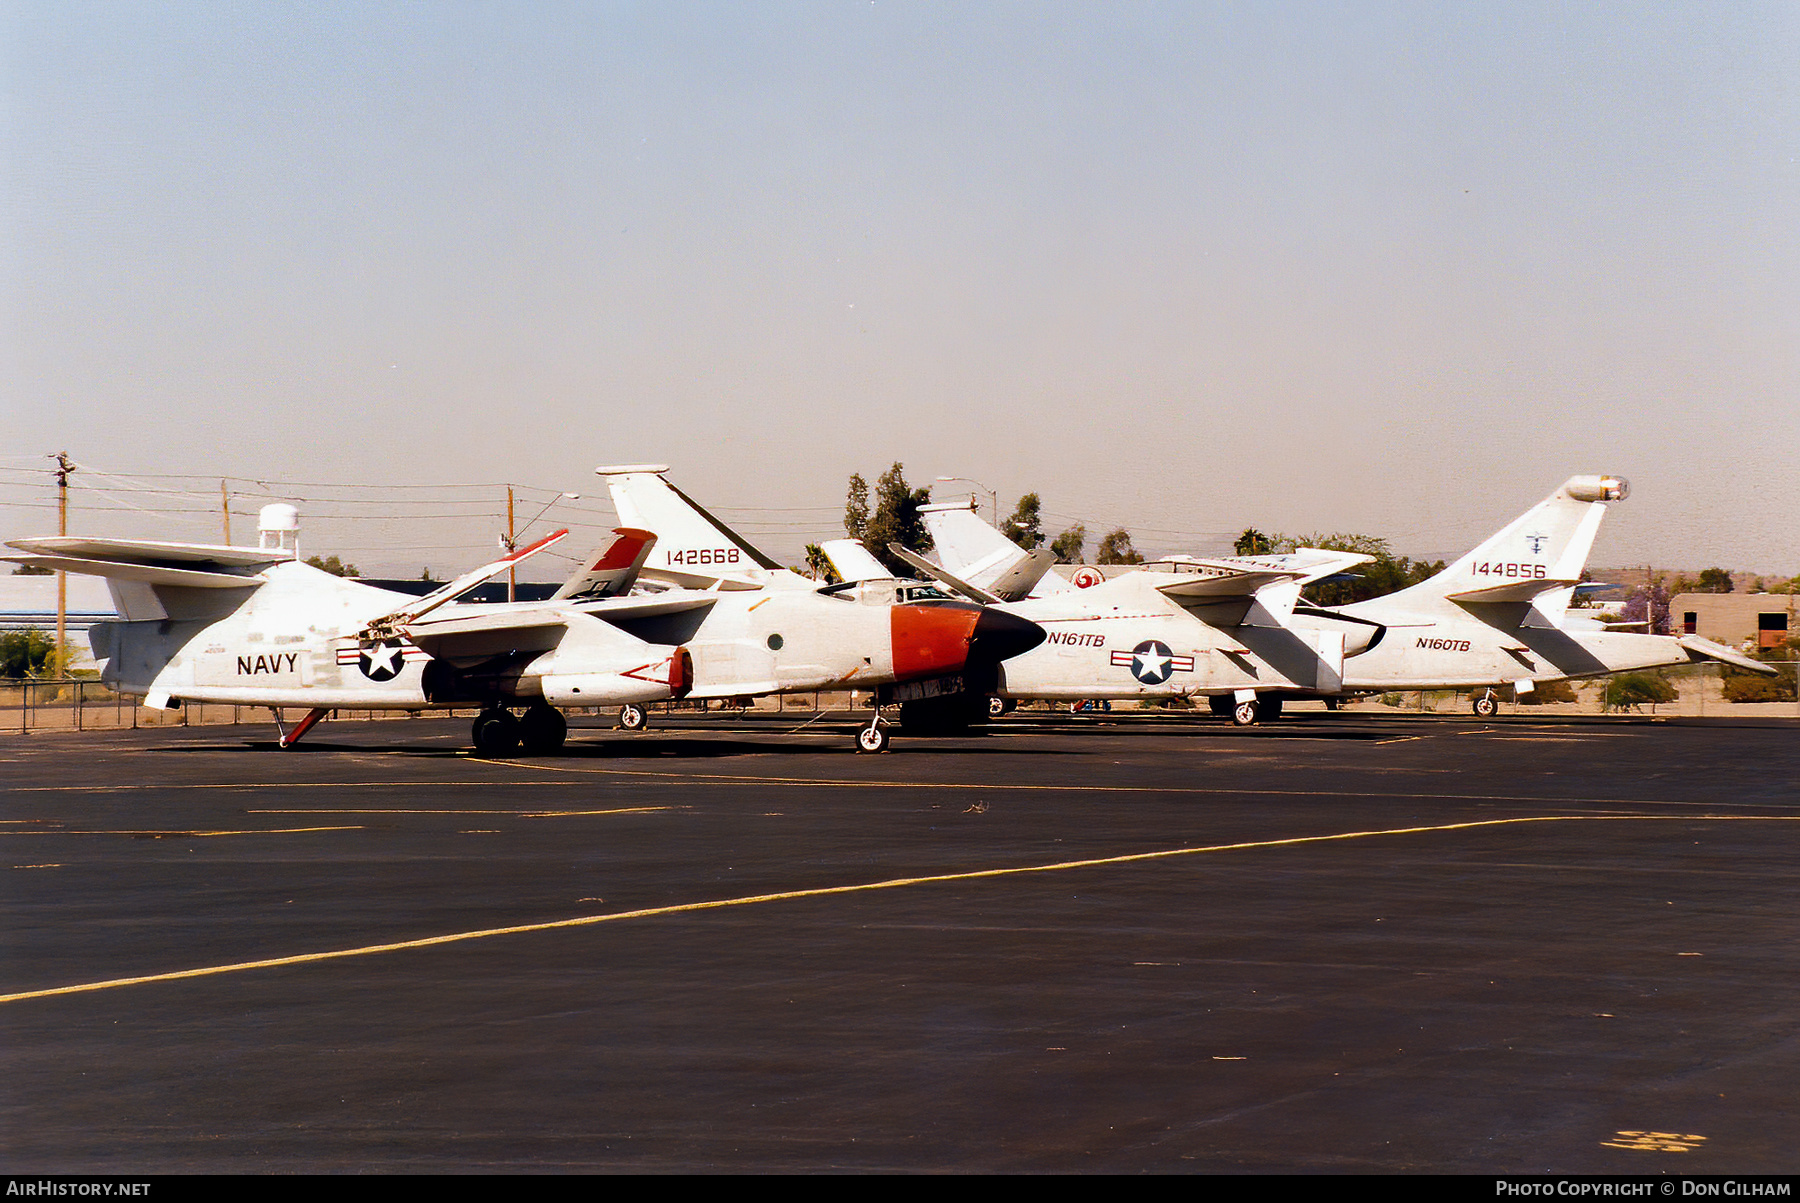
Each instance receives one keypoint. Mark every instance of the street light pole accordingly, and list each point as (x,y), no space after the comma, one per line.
(63,468)
(992,494)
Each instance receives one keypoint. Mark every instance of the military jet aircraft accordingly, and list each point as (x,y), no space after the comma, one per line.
(253,626)
(695,549)
(1237,631)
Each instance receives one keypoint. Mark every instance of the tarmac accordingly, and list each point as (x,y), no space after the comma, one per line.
(1339,943)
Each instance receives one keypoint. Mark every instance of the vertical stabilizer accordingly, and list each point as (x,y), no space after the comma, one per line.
(1537,558)
(692,547)
(612,569)
(977,553)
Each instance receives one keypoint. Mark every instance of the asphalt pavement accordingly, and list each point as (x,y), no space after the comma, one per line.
(1340,942)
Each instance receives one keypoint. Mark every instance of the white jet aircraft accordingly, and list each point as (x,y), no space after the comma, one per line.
(695,549)
(253,626)
(1237,631)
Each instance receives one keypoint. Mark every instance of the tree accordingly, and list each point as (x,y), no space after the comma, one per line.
(1069,545)
(1116,548)
(332,565)
(1025,526)
(425,575)
(856,507)
(1254,543)
(1637,689)
(1651,604)
(26,653)
(1387,573)
(818,565)
(1714,580)
(33,570)
(894,517)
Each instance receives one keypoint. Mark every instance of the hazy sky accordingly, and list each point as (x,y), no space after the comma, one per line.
(1187,267)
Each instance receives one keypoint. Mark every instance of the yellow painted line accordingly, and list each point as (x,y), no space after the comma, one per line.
(200,834)
(867,887)
(525,814)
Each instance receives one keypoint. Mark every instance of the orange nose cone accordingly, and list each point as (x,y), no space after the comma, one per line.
(931,641)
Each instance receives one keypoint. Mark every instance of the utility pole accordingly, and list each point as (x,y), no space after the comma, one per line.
(512,574)
(58,660)
(225,508)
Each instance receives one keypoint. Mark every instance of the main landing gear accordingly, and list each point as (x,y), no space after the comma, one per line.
(1486,706)
(541,730)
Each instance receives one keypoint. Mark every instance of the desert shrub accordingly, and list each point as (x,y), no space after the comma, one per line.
(1638,689)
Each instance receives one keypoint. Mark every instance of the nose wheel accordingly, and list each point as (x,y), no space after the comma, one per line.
(872,738)
(1244,714)
(633,718)
(1487,705)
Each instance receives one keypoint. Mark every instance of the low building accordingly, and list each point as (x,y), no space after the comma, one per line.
(1755,620)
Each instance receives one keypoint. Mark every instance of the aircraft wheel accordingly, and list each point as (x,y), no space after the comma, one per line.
(496,733)
(999,706)
(1244,714)
(1221,705)
(872,738)
(1268,709)
(1334,703)
(633,718)
(1486,707)
(543,730)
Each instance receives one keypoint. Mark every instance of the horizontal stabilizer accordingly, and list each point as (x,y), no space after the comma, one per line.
(1705,649)
(1512,591)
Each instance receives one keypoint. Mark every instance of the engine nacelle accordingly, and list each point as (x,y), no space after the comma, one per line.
(1598,488)
(658,681)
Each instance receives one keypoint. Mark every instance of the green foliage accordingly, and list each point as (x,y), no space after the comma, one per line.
(33,570)
(894,518)
(333,565)
(1116,548)
(1388,573)
(1546,691)
(1714,580)
(1025,527)
(26,653)
(1638,689)
(1788,586)
(1254,543)
(818,565)
(1741,685)
(856,507)
(1069,546)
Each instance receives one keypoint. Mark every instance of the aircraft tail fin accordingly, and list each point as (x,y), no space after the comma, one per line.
(854,562)
(1537,559)
(692,546)
(612,569)
(980,555)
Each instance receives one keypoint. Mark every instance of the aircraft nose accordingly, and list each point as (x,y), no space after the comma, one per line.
(935,640)
(1001,636)
(931,641)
